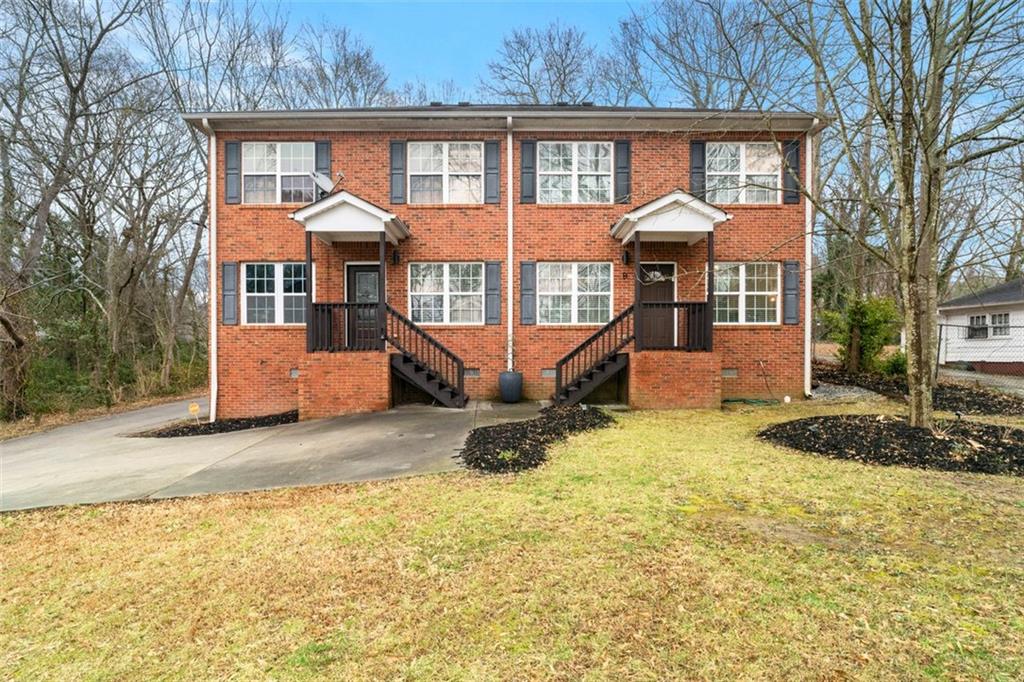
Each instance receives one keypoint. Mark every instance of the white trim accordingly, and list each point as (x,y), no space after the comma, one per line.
(981,306)
(625,227)
(279,294)
(742,293)
(509,253)
(675,293)
(574,173)
(808,281)
(278,175)
(390,224)
(575,293)
(446,294)
(214,267)
(445,174)
(344,284)
(742,174)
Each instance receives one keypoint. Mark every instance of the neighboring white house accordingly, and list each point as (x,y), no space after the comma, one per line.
(985,329)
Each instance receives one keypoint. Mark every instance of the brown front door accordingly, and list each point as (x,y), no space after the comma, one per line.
(658,324)
(362,287)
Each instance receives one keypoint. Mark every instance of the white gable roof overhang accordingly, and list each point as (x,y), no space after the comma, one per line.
(675,217)
(344,217)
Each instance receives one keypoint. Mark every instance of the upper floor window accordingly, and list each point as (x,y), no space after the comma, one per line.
(278,172)
(275,293)
(574,293)
(1001,324)
(977,329)
(747,293)
(574,172)
(446,172)
(743,172)
(446,293)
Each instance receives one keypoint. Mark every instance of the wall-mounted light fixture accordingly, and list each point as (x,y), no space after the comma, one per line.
(395,258)
(625,257)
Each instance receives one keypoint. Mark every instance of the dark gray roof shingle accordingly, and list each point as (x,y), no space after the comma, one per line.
(1007,292)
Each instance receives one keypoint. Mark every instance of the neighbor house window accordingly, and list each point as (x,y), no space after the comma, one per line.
(275,293)
(277,172)
(743,172)
(1001,324)
(977,328)
(446,293)
(746,293)
(446,172)
(574,293)
(575,172)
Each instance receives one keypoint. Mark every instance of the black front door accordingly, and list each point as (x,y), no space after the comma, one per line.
(658,325)
(363,286)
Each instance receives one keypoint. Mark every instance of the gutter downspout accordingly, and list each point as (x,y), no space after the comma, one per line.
(509,357)
(212,164)
(808,258)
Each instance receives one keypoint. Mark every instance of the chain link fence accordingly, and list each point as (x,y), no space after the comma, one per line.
(989,353)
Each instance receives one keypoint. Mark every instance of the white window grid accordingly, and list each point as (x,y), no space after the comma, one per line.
(574,172)
(1000,324)
(277,283)
(737,298)
(446,293)
(291,160)
(574,294)
(445,172)
(743,185)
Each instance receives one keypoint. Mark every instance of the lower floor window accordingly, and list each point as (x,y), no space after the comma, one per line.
(977,329)
(275,293)
(747,293)
(574,293)
(1001,324)
(446,293)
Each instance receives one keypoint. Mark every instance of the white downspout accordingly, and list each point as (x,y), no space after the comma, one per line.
(212,163)
(808,256)
(509,358)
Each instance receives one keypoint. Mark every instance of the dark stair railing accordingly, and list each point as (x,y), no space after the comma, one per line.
(339,327)
(689,319)
(430,364)
(588,358)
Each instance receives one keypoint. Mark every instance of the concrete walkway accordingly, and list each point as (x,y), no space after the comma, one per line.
(1000,382)
(100,460)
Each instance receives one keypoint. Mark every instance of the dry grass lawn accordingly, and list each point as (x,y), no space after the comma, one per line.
(670,546)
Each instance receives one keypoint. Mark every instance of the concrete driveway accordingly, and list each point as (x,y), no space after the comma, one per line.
(100,461)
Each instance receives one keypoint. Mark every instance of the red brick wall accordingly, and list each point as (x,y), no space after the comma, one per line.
(343,383)
(261,356)
(673,379)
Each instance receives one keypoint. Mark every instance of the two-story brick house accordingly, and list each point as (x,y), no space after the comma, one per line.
(448,244)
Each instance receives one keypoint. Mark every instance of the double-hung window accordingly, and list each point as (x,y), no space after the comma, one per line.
(746,293)
(743,172)
(275,293)
(1001,324)
(278,172)
(574,293)
(446,172)
(574,172)
(446,293)
(977,329)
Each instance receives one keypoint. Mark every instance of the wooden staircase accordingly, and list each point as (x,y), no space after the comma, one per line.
(595,361)
(425,362)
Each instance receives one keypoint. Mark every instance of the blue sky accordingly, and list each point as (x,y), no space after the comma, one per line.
(435,41)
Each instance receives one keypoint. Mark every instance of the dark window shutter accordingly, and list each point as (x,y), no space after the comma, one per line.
(623,184)
(791,292)
(697,168)
(790,183)
(229,292)
(232,172)
(528,172)
(398,171)
(492,292)
(528,292)
(323,162)
(492,172)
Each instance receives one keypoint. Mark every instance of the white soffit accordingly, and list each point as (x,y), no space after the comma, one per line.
(678,217)
(344,217)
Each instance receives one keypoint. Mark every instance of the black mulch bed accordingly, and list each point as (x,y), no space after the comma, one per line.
(948,396)
(879,439)
(221,426)
(516,446)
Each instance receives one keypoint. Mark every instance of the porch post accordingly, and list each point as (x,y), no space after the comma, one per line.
(381,288)
(309,292)
(637,307)
(709,312)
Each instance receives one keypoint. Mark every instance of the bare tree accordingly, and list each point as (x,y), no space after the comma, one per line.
(336,69)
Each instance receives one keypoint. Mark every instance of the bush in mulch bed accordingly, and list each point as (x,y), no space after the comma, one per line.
(221,426)
(879,439)
(948,396)
(516,446)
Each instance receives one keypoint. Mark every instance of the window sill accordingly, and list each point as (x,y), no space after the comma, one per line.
(442,206)
(758,325)
(269,325)
(267,207)
(759,207)
(572,206)
(568,325)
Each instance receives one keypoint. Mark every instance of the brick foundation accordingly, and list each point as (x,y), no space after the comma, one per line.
(332,384)
(674,379)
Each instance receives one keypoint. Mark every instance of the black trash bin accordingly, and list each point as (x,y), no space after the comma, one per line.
(511,386)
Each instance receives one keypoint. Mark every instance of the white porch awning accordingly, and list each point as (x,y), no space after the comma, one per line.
(675,217)
(344,217)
